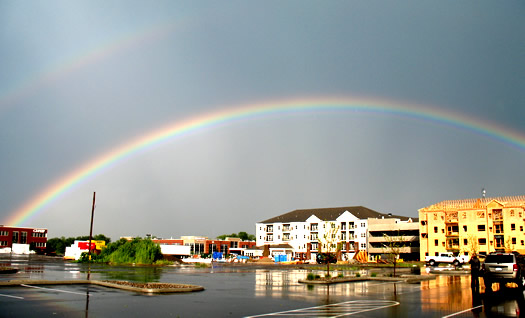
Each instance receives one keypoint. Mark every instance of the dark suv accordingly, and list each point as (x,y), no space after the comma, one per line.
(504,268)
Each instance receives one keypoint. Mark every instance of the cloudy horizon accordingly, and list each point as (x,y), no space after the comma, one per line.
(82,79)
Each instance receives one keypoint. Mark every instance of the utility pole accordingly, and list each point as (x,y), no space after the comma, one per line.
(91,227)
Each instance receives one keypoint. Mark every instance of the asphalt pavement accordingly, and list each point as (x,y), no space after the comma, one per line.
(241,291)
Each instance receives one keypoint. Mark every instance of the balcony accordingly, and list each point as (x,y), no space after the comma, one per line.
(403,250)
(382,239)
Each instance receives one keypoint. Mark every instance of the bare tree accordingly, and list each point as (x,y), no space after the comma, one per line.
(473,244)
(328,245)
(393,247)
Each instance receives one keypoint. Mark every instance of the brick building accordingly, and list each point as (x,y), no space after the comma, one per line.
(35,238)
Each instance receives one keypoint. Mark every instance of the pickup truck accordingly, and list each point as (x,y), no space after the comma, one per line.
(446,258)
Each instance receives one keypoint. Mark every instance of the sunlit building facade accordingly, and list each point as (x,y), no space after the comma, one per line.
(481,225)
(310,231)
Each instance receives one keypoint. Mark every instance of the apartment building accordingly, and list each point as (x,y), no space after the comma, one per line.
(309,231)
(481,225)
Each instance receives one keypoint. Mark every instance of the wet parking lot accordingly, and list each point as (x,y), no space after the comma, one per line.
(240,291)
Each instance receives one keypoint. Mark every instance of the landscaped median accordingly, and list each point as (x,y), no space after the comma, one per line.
(149,288)
(410,279)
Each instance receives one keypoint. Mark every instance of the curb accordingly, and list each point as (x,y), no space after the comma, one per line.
(414,279)
(181,288)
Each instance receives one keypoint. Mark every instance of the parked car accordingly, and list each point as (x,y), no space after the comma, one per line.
(325,258)
(447,257)
(504,268)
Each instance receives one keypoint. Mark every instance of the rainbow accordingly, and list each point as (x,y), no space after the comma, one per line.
(181,128)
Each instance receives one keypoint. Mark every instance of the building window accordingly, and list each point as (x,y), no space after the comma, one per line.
(511,212)
(363,245)
(513,227)
(522,242)
(436,242)
(514,240)
(424,235)
(269,228)
(314,227)
(363,235)
(269,237)
(482,241)
(332,225)
(286,227)
(15,237)
(23,237)
(363,224)
(314,237)
(4,233)
(435,229)
(314,246)
(481,228)
(4,243)
(464,228)
(423,223)
(465,241)
(481,214)
(521,228)
(343,226)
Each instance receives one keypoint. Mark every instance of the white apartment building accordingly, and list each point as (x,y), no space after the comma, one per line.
(305,229)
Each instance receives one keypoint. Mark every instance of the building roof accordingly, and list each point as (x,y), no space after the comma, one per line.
(331,214)
(479,203)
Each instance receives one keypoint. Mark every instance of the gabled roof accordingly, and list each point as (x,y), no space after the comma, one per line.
(330,214)
(479,203)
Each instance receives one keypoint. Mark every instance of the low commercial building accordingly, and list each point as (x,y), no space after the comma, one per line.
(74,251)
(21,240)
(481,225)
(203,245)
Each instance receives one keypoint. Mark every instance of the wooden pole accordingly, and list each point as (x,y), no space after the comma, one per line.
(91,227)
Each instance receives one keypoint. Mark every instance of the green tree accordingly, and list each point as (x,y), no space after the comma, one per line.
(242,235)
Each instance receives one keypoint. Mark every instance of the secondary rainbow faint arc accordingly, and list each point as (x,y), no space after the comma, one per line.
(179,128)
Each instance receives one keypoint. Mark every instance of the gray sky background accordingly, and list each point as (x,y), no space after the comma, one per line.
(78,79)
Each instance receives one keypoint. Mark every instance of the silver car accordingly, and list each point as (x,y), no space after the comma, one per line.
(503,268)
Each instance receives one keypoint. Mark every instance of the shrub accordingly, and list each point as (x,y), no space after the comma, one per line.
(310,276)
(357,275)
(373,274)
(340,275)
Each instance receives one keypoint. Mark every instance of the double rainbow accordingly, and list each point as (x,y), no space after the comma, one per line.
(262,110)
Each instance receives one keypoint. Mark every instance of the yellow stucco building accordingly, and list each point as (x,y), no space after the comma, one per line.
(481,225)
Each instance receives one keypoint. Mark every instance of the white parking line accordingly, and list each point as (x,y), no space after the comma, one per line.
(10,296)
(58,290)
(463,311)
(335,310)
